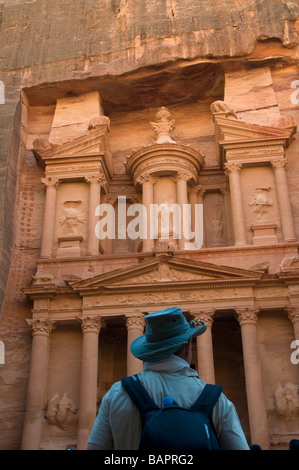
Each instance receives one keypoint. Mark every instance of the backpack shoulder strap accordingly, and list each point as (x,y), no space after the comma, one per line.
(207,399)
(138,395)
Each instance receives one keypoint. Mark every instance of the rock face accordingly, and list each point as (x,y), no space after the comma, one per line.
(92,88)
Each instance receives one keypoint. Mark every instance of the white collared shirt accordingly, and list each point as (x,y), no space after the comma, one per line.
(118,423)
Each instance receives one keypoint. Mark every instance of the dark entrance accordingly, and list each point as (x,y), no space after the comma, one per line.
(228,361)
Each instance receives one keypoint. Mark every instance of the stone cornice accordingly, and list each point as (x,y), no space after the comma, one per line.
(184,275)
(167,288)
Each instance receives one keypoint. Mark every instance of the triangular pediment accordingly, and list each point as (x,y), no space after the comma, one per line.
(92,142)
(229,129)
(166,270)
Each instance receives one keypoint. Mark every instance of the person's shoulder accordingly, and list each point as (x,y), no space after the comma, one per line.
(112,392)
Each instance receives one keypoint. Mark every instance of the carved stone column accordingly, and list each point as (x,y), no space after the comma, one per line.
(293,314)
(247,318)
(147,182)
(182,198)
(89,374)
(200,200)
(236,203)
(135,327)
(283,197)
(94,200)
(193,201)
(37,383)
(205,357)
(49,217)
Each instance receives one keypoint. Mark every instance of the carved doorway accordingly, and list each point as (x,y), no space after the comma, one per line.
(229,365)
(112,364)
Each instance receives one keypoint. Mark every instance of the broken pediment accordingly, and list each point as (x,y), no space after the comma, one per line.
(165,270)
(234,136)
(236,130)
(94,143)
(90,142)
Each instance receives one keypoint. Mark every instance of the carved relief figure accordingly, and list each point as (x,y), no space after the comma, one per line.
(60,411)
(261,203)
(214,220)
(216,224)
(222,107)
(71,219)
(287,401)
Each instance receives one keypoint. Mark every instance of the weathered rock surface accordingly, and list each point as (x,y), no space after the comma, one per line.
(44,42)
(139,55)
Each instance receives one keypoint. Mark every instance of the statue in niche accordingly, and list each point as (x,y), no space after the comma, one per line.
(163,126)
(60,411)
(287,401)
(71,219)
(261,203)
(216,225)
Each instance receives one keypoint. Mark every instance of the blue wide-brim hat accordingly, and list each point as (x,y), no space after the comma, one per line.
(166,330)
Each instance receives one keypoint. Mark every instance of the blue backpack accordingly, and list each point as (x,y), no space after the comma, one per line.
(174,427)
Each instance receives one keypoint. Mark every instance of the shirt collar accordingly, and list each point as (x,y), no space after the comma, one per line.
(172,363)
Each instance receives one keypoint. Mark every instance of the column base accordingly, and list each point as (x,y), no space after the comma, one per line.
(69,247)
(264,234)
(241,244)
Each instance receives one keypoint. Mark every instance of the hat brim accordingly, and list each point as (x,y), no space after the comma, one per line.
(155,351)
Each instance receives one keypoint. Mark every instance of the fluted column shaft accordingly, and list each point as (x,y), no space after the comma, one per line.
(204,344)
(200,200)
(94,200)
(247,318)
(182,198)
(236,203)
(135,327)
(293,314)
(49,217)
(284,203)
(37,383)
(148,201)
(88,383)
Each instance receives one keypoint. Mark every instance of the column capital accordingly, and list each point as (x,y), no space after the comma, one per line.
(247,315)
(135,320)
(224,189)
(205,315)
(49,181)
(280,163)
(146,178)
(95,178)
(182,175)
(109,199)
(193,189)
(233,167)
(41,326)
(91,324)
(293,313)
(199,190)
